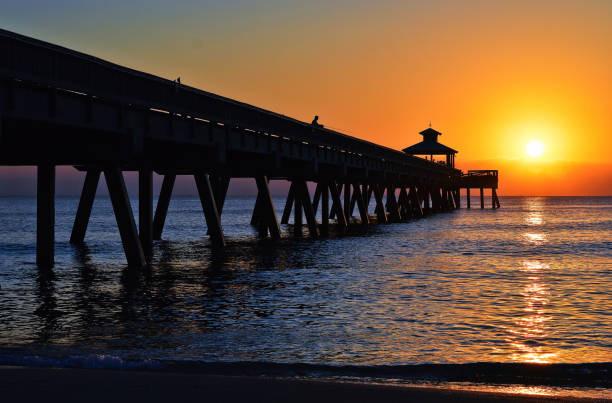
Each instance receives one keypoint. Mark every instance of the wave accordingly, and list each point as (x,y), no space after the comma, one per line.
(591,375)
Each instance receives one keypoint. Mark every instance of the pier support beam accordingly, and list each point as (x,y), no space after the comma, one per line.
(481,198)
(297,210)
(436,199)
(125,218)
(468,198)
(452,202)
(81,221)
(317,197)
(220,185)
(404,204)
(363,210)
(417,210)
(45,220)
(392,205)
(267,217)
(209,205)
(337,206)
(288,205)
(380,206)
(495,198)
(368,191)
(256,217)
(303,196)
(347,201)
(324,207)
(163,202)
(145,210)
(425,196)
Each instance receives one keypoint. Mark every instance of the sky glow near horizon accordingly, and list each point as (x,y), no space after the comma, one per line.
(490,77)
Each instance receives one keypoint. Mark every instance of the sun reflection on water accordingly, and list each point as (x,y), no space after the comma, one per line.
(534,218)
(530,331)
(535,238)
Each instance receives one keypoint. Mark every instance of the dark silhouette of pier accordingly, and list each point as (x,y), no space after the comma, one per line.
(62,107)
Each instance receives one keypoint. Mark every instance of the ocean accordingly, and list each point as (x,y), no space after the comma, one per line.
(467,296)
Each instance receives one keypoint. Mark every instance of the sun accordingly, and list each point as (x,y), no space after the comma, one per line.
(534,148)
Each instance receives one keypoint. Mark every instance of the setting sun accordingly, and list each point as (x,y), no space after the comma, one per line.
(534,148)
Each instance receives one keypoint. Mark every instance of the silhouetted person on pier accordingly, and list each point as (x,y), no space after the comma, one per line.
(315,123)
(177,84)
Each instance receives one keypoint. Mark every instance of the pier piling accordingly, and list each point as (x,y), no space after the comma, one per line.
(209,205)
(481,198)
(88,195)
(125,217)
(145,210)
(468,198)
(45,223)
(163,202)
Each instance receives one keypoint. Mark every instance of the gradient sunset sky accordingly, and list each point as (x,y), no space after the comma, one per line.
(491,75)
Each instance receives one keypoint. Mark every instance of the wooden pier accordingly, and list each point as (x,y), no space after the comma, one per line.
(61,107)
(481,180)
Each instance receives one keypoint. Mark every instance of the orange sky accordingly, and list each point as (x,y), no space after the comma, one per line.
(490,75)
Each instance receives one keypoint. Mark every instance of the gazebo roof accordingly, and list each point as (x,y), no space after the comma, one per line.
(429,148)
(429,130)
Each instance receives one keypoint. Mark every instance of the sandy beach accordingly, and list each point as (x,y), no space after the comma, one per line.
(91,385)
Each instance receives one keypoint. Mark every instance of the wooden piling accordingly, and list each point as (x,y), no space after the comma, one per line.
(468,198)
(209,205)
(347,201)
(304,196)
(353,202)
(268,213)
(316,198)
(324,207)
(495,198)
(481,198)
(337,206)
(256,217)
(45,219)
(163,202)
(125,217)
(404,203)
(297,210)
(392,205)
(88,194)
(452,202)
(145,210)
(367,192)
(417,210)
(220,185)
(425,196)
(381,214)
(363,212)
(288,204)
(436,199)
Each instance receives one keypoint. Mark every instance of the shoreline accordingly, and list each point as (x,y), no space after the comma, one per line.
(104,385)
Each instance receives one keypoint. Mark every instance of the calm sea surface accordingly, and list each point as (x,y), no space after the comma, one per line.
(530,282)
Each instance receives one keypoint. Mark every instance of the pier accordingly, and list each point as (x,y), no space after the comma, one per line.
(61,107)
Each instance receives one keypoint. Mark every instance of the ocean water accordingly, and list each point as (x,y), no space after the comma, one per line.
(528,283)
